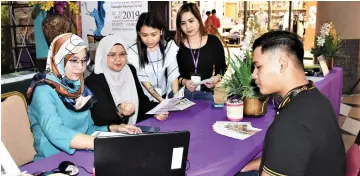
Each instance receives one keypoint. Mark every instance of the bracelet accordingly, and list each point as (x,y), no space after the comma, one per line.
(108,127)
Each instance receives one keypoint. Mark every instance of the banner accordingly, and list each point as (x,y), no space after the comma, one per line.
(112,17)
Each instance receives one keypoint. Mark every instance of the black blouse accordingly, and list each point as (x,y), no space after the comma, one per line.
(211,54)
(104,111)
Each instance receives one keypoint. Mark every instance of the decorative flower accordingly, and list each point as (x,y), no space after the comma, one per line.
(56,6)
(47,5)
(320,41)
(327,42)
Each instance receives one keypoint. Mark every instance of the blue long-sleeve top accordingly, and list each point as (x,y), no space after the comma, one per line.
(53,125)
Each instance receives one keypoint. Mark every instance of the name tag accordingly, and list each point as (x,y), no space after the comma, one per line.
(196,79)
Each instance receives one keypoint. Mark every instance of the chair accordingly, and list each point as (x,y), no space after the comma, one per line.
(353,158)
(15,128)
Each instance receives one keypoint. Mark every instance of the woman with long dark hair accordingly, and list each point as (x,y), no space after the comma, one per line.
(201,56)
(154,57)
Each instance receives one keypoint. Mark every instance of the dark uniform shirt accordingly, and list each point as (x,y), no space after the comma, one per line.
(304,139)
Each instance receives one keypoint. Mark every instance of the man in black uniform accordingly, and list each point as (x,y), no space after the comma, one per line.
(304,138)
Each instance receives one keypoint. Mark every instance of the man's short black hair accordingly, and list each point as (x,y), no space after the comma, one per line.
(213,11)
(287,41)
(207,13)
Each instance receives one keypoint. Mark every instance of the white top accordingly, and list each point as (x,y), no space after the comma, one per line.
(286,20)
(261,18)
(154,71)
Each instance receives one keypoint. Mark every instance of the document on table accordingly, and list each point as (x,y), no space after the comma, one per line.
(237,130)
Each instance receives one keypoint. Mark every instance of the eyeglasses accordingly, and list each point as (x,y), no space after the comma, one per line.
(76,62)
(113,55)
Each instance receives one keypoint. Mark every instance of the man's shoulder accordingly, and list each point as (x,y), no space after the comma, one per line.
(308,100)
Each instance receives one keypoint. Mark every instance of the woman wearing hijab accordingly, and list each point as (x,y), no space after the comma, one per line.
(59,110)
(116,86)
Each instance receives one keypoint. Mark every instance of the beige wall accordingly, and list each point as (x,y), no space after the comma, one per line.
(344,15)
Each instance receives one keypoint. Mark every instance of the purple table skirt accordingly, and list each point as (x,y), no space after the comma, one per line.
(209,152)
(331,86)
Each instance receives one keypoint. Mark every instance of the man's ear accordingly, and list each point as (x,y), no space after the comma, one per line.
(284,63)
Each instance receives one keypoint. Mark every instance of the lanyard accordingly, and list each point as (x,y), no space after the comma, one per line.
(292,93)
(157,67)
(193,56)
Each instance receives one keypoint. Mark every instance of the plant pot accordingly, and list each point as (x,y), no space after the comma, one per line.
(255,107)
(220,95)
(54,25)
(235,110)
(330,62)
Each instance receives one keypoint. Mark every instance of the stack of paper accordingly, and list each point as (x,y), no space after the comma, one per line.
(237,130)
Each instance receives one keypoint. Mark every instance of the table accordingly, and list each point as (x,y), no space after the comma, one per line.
(331,86)
(209,152)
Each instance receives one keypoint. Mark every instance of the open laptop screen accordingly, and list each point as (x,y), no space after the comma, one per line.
(144,154)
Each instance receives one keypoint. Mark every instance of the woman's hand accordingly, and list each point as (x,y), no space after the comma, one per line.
(131,129)
(213,82)
(190,85)
(126,109)
(162,116)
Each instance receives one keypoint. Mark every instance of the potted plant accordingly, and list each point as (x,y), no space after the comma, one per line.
(327,44)
(241,88)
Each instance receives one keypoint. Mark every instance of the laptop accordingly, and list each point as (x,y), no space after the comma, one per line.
(143,154)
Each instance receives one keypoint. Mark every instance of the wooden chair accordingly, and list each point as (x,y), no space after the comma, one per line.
(15,128)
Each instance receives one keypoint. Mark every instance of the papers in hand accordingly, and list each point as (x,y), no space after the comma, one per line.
(204,81)
(237,130)
(173,104)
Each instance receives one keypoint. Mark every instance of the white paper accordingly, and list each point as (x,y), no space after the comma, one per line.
(182,104)
(204,81)
(168,105)
(196,79)
(177,157)
(7,162)
(231,129)
(107,134)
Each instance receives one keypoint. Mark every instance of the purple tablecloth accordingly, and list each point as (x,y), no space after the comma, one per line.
(209,152)
(331,86)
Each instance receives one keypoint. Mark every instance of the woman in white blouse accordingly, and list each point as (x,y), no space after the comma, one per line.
(154,57)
